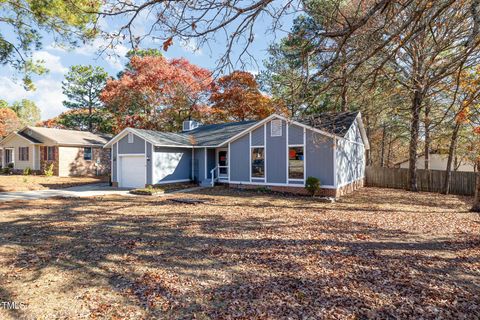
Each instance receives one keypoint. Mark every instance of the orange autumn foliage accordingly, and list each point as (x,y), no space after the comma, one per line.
(236,97)
(9,121)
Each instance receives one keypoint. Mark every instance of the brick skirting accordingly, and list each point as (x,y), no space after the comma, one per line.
(324,192)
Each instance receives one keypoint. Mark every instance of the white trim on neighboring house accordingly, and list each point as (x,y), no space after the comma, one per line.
(34,162)
(13,134)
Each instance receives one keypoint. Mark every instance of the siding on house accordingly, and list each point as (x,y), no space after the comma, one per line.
(137,147)
(258,138)
(211,161)
(239,159)
(171,164)
(276,159)
(295,134)
(319,157)
(350,157)
(15,143)
(199,160)
(114,162)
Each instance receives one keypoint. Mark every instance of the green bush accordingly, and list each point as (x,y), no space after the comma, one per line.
(6,170)
(27,171)
(312,185)
(48,170)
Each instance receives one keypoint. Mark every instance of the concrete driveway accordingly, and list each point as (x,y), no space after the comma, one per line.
(98,189)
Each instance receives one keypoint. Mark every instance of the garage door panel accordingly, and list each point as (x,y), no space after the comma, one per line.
(132,171)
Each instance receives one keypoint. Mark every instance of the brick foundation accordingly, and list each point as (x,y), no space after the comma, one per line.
(334,193)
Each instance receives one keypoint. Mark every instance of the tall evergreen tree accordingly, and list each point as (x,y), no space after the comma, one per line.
(82,86)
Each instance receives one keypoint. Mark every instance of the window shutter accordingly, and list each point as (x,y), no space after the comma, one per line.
(45,153)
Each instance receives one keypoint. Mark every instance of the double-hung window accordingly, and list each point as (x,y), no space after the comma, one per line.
(258,162)
(87,153)
(295,163)
(49,154)
(23,153)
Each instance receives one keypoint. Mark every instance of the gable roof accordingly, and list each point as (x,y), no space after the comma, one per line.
(334,123)
(65,137)
(26,136)
(217,135)
(203,136)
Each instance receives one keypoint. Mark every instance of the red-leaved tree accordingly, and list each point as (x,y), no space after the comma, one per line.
(158,93)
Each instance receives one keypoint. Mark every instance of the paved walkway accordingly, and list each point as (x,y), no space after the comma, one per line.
(88,190)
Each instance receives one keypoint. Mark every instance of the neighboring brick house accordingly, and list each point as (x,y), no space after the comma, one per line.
(72,153)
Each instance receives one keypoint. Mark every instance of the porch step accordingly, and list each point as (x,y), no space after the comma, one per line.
(206,183)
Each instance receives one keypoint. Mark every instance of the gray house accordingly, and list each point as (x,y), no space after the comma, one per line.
(276,152)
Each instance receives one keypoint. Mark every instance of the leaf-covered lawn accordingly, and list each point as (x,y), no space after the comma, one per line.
(378,253)
(9,183)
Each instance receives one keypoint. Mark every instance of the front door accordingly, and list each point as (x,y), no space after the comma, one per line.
(222,160)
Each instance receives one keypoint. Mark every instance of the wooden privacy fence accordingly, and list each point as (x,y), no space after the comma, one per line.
(461,183)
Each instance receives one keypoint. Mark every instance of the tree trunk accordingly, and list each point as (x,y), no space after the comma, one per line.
(382,151)
(427,137)
(476,201)
(90,124)
(451,150)
(414,129)
(344,103)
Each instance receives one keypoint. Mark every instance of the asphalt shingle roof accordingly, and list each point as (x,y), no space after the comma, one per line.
(68,137)
(207,135)
(334,123)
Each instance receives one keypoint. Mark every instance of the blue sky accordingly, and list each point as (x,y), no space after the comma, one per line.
(48,96)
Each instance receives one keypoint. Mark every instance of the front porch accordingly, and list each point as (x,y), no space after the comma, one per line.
(211,165)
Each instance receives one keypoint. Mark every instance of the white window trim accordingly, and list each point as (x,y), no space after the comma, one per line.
(130,137)
(91,154)
(264,163)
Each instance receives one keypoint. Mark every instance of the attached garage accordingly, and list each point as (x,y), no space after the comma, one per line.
(132,171)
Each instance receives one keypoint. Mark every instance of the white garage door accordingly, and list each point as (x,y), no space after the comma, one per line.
(132,171)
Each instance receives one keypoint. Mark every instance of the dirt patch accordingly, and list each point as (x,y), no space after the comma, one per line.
(377,253)
(9,183)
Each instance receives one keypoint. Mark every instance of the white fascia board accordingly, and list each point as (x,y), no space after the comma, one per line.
(122,134)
